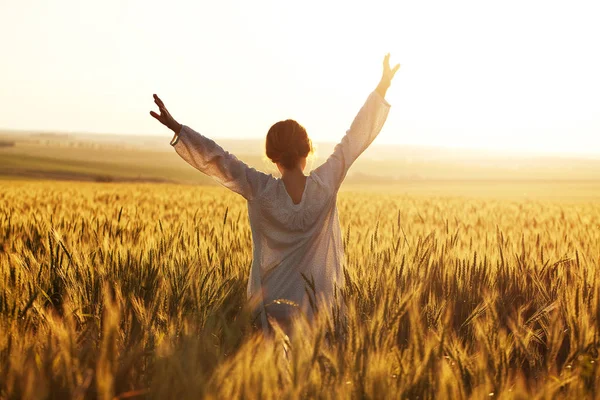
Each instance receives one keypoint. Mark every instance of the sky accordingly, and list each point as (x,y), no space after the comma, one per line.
(518,75)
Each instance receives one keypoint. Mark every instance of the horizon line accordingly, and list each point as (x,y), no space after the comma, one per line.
(460,147)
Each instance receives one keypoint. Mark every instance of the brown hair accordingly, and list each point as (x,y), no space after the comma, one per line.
(287,143)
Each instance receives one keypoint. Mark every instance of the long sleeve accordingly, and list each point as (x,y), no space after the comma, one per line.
(208,157)
(364,129)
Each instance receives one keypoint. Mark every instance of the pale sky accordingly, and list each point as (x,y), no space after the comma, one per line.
(521,75)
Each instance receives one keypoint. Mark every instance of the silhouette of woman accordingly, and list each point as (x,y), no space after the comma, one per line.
(294,219)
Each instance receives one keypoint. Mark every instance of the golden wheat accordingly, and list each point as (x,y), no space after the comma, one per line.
(138,291)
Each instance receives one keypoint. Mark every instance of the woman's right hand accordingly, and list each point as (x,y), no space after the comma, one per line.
(165,117)
(387,76)
(388,73)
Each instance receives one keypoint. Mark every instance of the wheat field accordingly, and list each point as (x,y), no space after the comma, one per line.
(138,291)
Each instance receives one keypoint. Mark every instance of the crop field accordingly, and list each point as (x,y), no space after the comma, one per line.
(136,290)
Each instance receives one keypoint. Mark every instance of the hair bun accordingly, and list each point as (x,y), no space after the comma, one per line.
(287,143)
(289,153)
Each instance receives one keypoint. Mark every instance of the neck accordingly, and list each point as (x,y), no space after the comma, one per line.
(292,173)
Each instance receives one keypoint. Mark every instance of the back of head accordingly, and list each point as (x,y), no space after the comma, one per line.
(287,143)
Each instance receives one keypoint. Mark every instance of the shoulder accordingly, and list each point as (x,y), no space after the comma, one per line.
(261,182)
(320,176)
(320,189)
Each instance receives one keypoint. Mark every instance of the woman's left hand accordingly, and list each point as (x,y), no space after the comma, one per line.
(165,117)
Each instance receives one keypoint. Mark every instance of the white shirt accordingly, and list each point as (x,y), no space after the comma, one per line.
(290,240)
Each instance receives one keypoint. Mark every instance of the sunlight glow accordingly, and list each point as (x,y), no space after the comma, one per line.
(512,74)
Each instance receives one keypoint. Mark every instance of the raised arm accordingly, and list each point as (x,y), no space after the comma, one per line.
(364,129)
(208,157)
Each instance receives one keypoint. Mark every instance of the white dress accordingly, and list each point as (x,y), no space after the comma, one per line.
(291,242)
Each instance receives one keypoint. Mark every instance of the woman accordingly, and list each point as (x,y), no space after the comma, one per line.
(296,234)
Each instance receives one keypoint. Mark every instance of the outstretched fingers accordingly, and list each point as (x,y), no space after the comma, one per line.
(163,111)
(158,101)
(387,71)
(155,115)
(164,117)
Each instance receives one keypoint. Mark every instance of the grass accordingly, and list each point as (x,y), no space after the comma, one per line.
(138,291)
(151,158)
